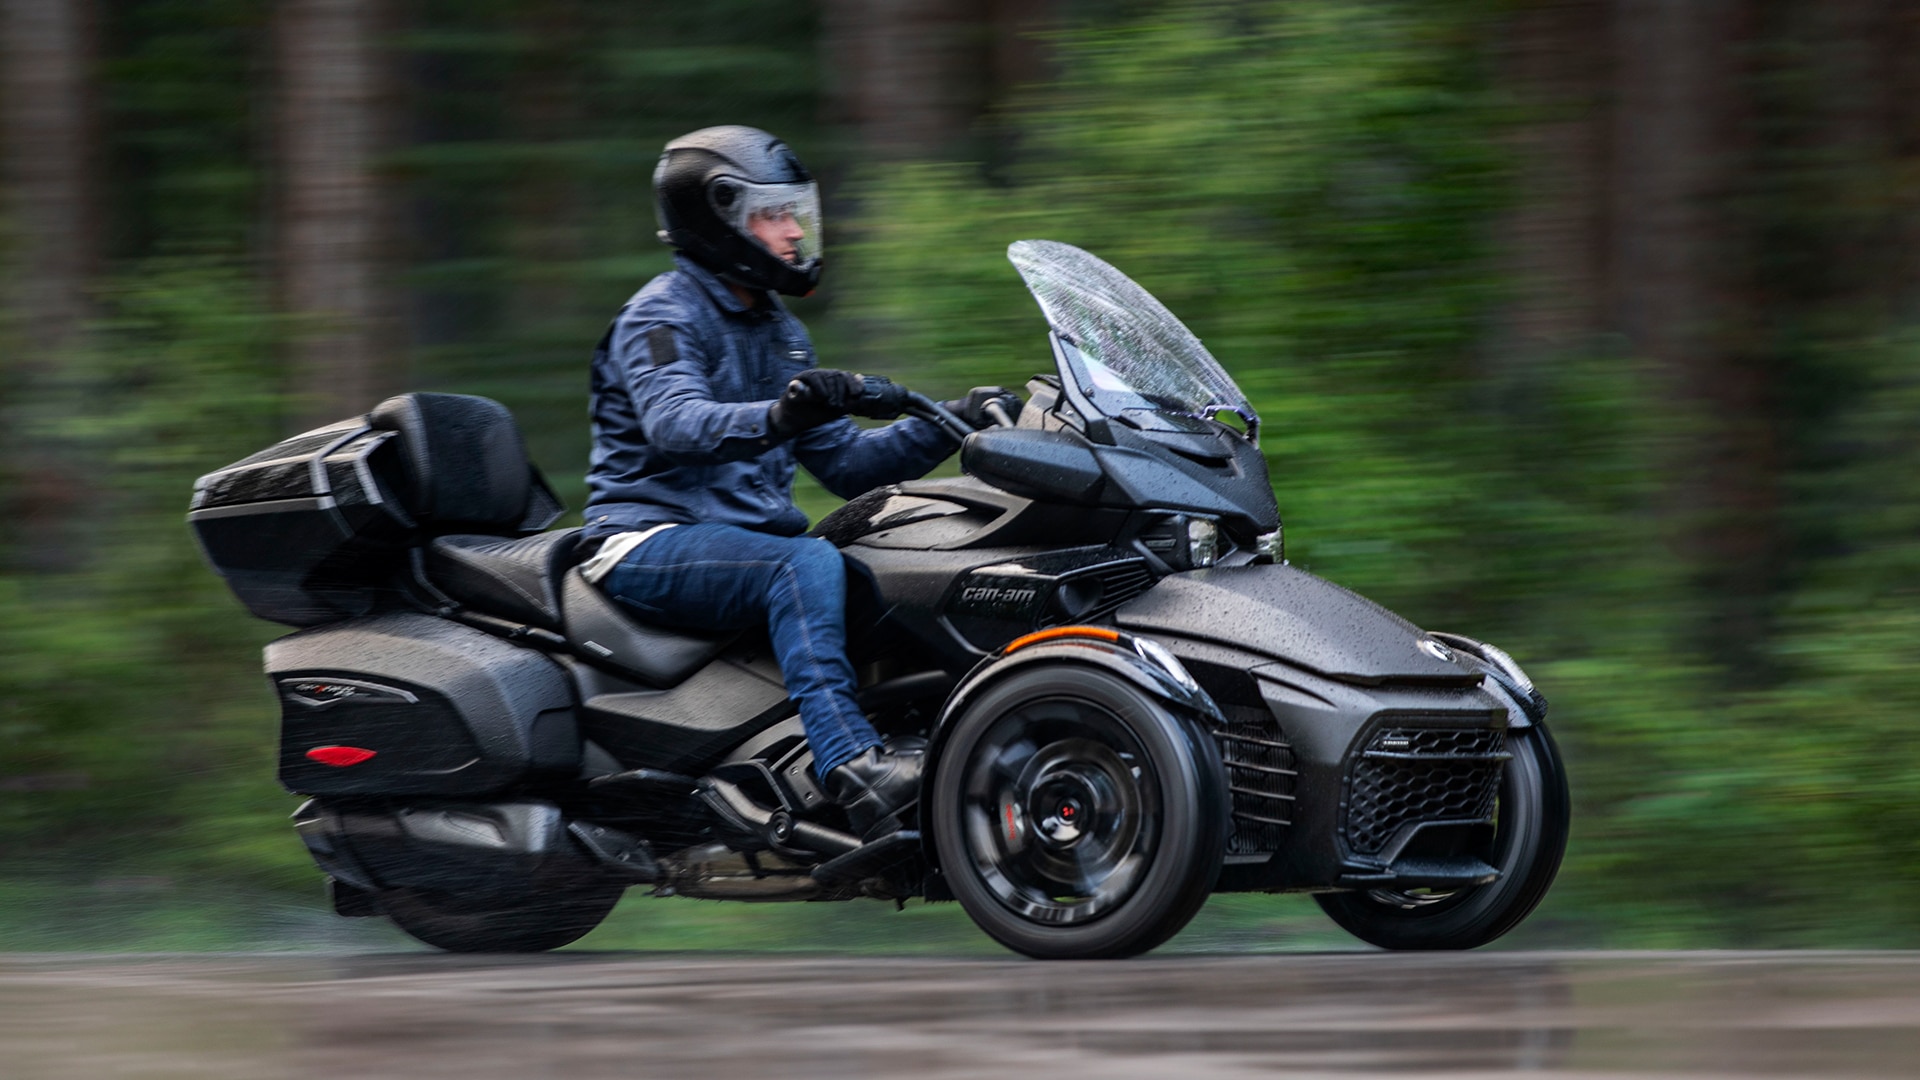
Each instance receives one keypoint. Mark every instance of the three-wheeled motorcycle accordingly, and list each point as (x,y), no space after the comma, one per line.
(1130,699)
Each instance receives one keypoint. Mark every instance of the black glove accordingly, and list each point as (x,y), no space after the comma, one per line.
(973,407)
(880,398)
(814,397)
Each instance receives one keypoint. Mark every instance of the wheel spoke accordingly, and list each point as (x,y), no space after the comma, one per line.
(1061,815)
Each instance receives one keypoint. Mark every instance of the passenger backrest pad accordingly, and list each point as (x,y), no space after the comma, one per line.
(466,468)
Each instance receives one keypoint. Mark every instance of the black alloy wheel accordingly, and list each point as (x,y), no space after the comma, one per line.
(1531,817)
(548,909)
(1077,816)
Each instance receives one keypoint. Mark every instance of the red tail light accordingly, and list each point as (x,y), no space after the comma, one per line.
(339,756)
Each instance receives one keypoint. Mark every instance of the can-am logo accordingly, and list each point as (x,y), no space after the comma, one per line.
(994,594)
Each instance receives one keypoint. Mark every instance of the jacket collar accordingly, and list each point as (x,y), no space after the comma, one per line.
(717,290)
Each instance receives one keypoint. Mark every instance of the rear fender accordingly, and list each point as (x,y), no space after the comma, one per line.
(1139,660)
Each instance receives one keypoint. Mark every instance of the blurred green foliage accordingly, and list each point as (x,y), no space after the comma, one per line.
(1315,187)
(131,710)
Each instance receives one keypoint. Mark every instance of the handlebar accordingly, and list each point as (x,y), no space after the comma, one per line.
(882,399)
(924,408)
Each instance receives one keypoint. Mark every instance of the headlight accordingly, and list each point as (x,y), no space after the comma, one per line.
(1273,545)
(1203,542)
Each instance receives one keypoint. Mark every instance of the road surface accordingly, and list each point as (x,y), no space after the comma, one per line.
(585,1015)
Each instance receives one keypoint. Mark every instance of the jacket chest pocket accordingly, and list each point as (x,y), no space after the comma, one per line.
(790,341)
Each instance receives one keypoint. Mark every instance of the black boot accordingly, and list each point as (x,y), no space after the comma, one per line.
(875,787)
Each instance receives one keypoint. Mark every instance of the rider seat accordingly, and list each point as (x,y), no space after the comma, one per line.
(531,581)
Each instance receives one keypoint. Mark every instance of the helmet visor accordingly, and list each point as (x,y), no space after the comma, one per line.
(783,218)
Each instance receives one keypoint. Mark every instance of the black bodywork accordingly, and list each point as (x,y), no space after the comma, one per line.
(489,680)
(465,709)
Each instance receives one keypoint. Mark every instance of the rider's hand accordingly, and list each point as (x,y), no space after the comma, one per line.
(814,397)
(880,398)
(973,407)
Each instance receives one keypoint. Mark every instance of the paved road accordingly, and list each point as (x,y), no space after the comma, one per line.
(582,1016)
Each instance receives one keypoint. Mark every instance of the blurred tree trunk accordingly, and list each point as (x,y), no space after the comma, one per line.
(1634,221)
(1678,259)
(1899,46)
(47,165)
(332,213)
(1718,185)
(914,79)
(46,56)
(905,75)
(1553,235)
(1877,127)
(543,110)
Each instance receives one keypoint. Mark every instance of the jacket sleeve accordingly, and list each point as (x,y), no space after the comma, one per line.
(850,461)
(665,371)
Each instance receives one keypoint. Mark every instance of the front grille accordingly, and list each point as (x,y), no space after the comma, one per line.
(1413,774)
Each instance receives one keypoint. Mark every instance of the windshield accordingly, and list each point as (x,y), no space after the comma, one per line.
(1122,348)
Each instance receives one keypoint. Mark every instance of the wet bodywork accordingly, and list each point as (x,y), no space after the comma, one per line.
(1142,702)
(1352,691)
(1324,704)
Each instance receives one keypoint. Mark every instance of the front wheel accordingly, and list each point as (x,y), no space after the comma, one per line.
(1077,816)
(1530,835)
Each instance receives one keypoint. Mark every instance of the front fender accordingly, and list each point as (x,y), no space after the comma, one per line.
(1139,660)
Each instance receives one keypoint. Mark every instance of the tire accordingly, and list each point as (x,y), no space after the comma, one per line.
(535,915)
(1530,836)
(1075,816)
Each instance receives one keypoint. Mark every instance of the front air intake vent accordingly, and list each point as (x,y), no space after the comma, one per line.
(1108,587)
(1259,762)
(1411,774)
(1260,775)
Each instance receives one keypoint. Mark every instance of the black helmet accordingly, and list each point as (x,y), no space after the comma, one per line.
(711,184)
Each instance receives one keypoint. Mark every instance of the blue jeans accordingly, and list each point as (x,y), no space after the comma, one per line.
(722,577)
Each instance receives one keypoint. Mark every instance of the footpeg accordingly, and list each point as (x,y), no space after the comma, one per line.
(869,860)
(624,853)
(738,811)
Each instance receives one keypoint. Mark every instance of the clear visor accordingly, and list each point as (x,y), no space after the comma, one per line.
(783,218)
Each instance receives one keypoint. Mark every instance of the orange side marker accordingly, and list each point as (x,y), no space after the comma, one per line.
(1052,632)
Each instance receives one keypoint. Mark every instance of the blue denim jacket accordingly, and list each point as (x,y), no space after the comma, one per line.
(682,382)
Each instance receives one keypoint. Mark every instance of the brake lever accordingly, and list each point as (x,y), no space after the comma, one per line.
(998,414)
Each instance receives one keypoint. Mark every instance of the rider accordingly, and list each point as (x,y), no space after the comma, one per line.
(705,396)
